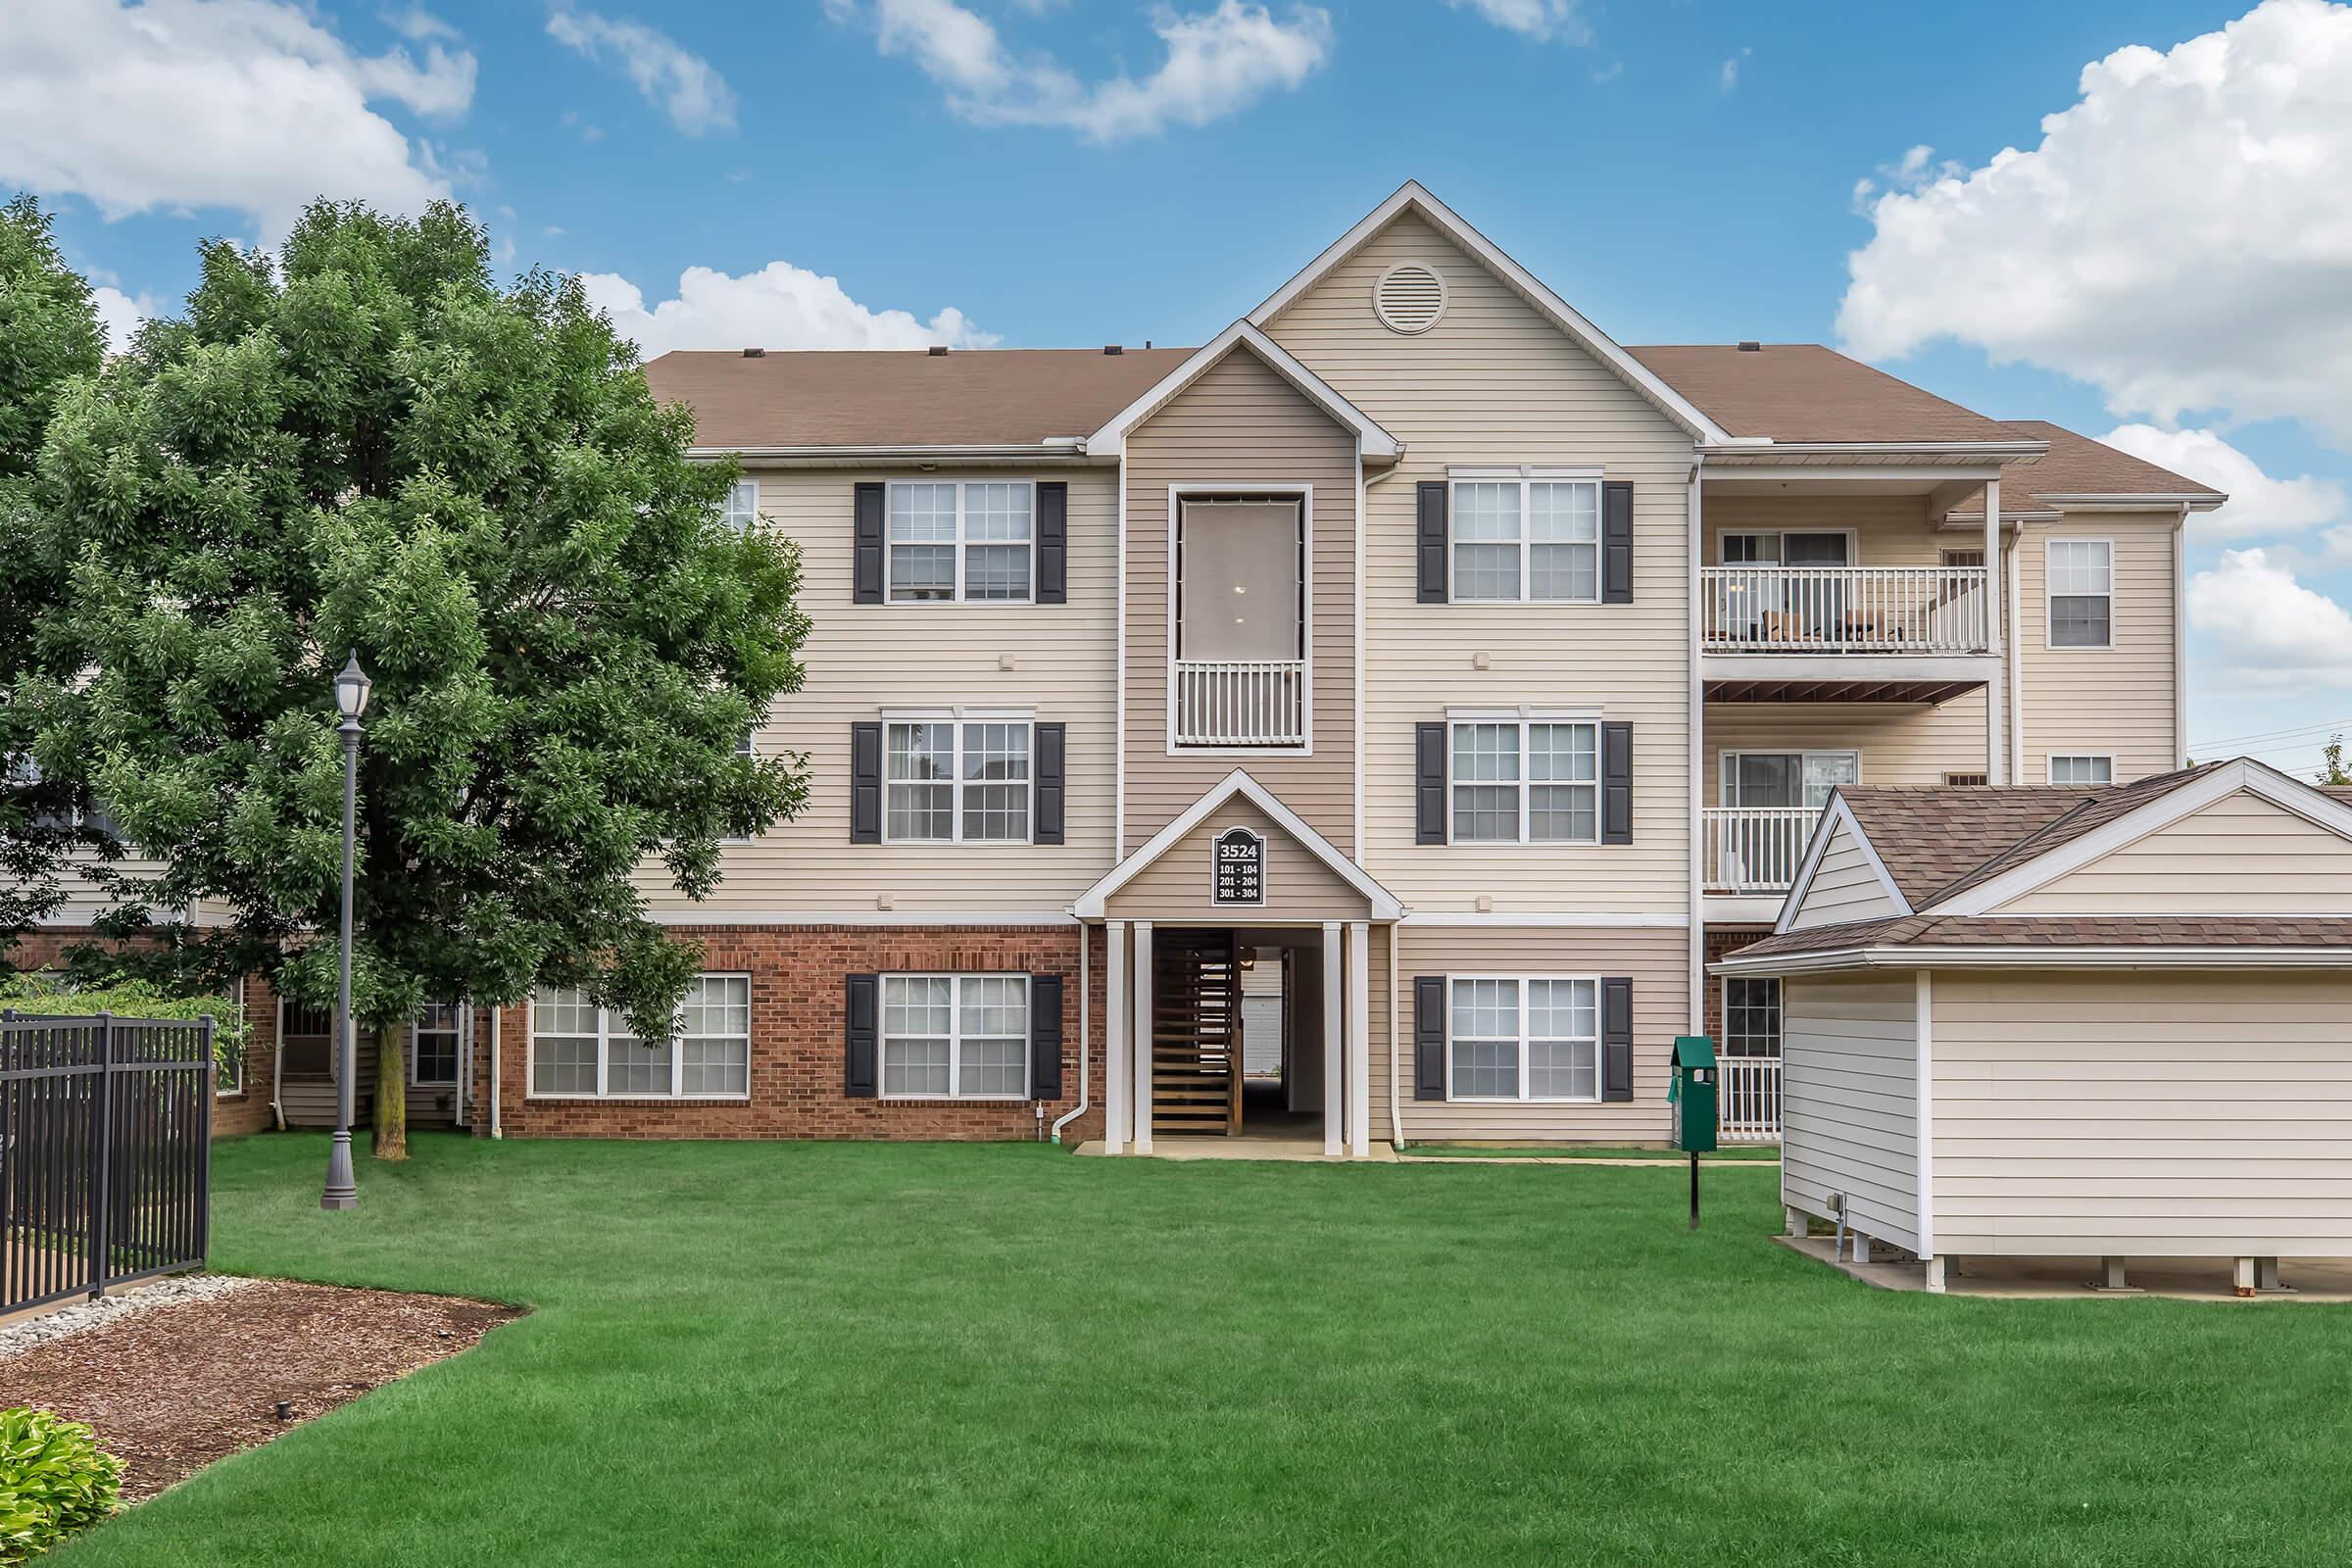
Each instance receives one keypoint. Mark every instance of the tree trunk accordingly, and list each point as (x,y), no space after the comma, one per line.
(391,1090)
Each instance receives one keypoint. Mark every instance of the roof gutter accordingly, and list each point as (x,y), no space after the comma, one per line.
(1926,956)
(1750,447)
(1055,448)
(2200,501)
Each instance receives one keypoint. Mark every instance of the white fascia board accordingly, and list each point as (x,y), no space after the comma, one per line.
(2288,794)
(1374,442)
(1057,450)
(1831,815)
(1567,318)
(2152,501)
(1930,956)
(1958,450)
(1383,903)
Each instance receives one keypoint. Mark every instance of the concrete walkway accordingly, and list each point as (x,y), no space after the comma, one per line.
(2182,1279)
(1296,1150)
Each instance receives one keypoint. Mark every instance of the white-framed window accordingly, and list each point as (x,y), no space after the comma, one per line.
(1751,1016)
(1510,1037)
(1526,539)
(433,1045)
(956,780)
(741,510)
(229,1069)
(954,1037)
(580,1050)
(2082,768)
(1787,778)
(2082,593)
(1525,781)
(967,540)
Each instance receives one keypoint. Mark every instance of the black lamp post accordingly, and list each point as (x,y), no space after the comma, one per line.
(351,700)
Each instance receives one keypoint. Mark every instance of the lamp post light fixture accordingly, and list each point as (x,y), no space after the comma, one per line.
(351,701)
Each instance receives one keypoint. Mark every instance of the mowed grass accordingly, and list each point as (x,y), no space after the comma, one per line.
(927,1354)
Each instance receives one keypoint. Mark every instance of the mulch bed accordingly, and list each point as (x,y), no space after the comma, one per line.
(173,1389)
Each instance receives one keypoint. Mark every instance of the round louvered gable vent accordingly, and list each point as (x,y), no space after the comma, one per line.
(1410,297)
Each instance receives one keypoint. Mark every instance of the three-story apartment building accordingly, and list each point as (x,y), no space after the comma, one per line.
(1450,679)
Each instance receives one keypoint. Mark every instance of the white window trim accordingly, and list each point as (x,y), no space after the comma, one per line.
(959,543)
(1727,761)
(958,717)
(677,1049)
(1306,614)
(1853,546)
(726,512)
(1523,718)
(1724,994)
(2049,595)
(458,1030)
(955,979)
(2050,758)
(1526,479)
(1523,1098)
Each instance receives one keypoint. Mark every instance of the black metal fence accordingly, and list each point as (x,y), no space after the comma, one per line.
(106,1146)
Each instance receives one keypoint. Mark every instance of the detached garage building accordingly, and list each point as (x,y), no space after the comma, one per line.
(2056,1022)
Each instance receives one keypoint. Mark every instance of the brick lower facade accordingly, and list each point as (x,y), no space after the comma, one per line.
(1723,941)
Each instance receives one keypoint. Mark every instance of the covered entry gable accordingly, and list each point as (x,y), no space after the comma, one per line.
(1300,874)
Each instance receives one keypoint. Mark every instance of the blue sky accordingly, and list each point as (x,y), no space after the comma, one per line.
(1054,172)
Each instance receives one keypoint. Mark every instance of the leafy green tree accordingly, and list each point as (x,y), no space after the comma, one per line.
(2331,768)
(49,335)
(365,444)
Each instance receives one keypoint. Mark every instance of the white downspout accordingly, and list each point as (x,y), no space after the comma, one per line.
(465,1057)
(1396,1112)
(277,1063)
(496,1014)
(1696,547)
(2017,677)
(2180,639)
(1085,1040)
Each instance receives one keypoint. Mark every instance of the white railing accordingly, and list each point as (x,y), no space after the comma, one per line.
(1255,702)
(1754,849)
(1844,610)
(1748,1107)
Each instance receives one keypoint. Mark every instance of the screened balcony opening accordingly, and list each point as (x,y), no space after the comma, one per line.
(1240,656)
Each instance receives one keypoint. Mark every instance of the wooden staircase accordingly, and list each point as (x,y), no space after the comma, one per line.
(1195,1033)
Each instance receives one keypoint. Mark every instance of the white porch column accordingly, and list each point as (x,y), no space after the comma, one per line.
(1996,751)
(1143,1037)
(1360,1038)
(1117,1124)
(1335,1053)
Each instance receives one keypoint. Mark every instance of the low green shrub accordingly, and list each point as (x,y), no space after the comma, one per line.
(43,991)
(55,1482)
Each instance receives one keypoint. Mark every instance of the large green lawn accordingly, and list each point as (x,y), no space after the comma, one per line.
(925,1354)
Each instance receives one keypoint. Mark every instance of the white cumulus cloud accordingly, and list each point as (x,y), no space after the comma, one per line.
(779,306)
(2179,237)
(2258,503)
(119,315)
(1216,63)
(2272,632)
(181,105)
(1541,19)
(680,83)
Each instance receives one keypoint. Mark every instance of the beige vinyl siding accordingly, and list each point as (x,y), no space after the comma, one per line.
(1177,886)
(1496,383)
(2115,701)
(2159,1114)
(1845,886)
(1243,425)
(1899,743)
(1849,1100)
(2242,855)
(1654,957)
(864,659)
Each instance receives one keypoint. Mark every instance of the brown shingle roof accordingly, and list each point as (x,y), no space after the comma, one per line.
(2061,931)
(861,397)
(2077,466)
(1805,392)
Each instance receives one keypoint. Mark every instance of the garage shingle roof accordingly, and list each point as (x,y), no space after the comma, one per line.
(2060,931)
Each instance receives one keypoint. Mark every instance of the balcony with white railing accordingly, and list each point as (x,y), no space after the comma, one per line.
(1749,850)
(1749,1100)
(1251,702)
(1844,610)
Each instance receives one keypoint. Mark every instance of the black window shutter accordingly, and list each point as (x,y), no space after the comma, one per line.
(1044,1037)
(865,783)
(1616,783)
(1053,746)
(1054,543)
(1429,783)
(862,1040)
(868,544)
(1617,543)
(1429,540)
(1429,1037)
(1617,1038)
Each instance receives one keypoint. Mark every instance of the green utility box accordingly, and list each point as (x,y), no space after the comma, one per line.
(1692,1094)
